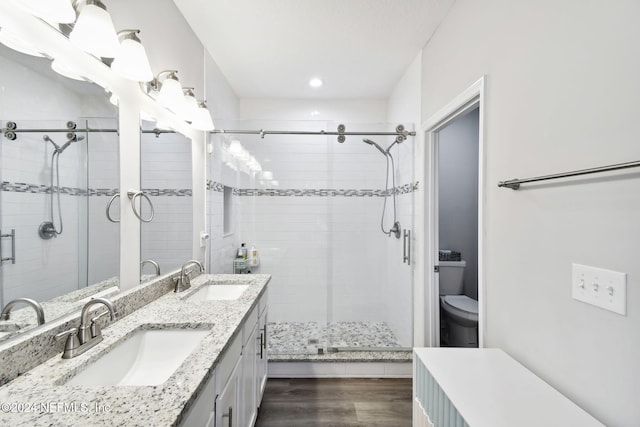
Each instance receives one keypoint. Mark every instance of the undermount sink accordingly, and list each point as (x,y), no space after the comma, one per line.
(148,357)
(218,292)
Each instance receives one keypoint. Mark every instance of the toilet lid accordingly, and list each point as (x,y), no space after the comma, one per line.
(462,302)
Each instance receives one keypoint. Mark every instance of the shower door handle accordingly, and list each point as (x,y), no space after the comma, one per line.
(406,247)
(12,258)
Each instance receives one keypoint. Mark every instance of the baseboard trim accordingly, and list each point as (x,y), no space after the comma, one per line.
(339,370)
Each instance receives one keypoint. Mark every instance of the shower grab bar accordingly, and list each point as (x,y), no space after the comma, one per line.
(113,198)
(132,198)
(514,184)
(12,236)
(406,247)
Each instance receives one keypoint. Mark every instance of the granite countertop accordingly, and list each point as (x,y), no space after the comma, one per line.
(40,398)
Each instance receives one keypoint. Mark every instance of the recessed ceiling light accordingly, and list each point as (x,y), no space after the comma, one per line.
(315,82)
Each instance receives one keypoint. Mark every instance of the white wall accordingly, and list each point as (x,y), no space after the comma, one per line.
(562,85)
(458,194)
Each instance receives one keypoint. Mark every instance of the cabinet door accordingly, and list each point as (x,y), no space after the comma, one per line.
(261,357)
(248,382)
(227,402)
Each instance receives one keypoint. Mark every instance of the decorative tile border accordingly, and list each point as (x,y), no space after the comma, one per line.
(20,187)
(316,192)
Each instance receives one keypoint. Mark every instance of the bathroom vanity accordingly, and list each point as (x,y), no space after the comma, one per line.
(181,359)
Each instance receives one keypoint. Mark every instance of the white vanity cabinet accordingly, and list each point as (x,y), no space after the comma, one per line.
(232,395)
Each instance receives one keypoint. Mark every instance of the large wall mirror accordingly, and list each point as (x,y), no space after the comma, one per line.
(166,178)
(58,247)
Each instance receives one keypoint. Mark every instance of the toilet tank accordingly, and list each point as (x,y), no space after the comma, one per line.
(451,274)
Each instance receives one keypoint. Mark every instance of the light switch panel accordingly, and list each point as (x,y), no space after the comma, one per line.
(603,288)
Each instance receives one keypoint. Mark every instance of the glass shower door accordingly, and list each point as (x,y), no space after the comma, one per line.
(370,282)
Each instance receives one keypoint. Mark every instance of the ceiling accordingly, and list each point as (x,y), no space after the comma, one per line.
(272,48)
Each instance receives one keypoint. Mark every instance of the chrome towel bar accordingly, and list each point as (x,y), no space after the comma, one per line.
(514,184)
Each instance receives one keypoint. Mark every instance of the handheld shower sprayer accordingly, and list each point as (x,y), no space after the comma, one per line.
(395,229)
(370,142)
(48,229)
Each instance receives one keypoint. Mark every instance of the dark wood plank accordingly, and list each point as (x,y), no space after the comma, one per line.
(336,402)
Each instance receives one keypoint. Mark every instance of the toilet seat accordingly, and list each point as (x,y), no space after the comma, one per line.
(461,308)
(462,302)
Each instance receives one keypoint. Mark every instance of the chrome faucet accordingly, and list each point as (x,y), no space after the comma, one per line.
(36,306)
(183,282)
(152,262)
(87,335)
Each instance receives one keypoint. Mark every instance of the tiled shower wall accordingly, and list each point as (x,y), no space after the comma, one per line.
(36,97)
(166,177)
(317,228)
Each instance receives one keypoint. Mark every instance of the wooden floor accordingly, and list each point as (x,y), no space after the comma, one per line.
(351,402)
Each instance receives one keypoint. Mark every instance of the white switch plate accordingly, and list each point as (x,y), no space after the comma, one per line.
(603,288)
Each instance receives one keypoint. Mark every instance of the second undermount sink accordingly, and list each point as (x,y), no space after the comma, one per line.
(148,357)
(218,292)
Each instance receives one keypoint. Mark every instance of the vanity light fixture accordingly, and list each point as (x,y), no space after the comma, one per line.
(52,11)
(94,32)
(131,61)
(235,148)
(202,119)
(169,90)
(190,105)
(14,42)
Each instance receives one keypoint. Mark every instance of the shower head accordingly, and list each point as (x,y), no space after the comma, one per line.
(59,149)
(370,142)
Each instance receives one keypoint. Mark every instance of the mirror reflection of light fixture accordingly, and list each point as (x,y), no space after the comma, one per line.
(190,105)
(131,61)
(52,11)
(12,41)
(169,90)
(235,148)
(94,32)
(202,119)
(65,71)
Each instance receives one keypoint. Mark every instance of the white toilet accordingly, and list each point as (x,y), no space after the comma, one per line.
(459,311)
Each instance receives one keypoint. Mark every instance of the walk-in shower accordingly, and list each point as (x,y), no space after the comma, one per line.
(48,229)
(395,229)
(312,212)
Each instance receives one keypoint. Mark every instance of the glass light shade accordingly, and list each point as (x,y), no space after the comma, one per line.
(267,175)
(202,119)
(64,70)
(235,148)
(52,11)
(113,99)
(131,62)
(171,96)
(94,32)
(11,41)
(189,106)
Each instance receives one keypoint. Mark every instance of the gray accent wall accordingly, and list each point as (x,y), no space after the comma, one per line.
(458,194)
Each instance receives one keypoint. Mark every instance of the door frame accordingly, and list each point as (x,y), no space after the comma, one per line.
(471,98)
